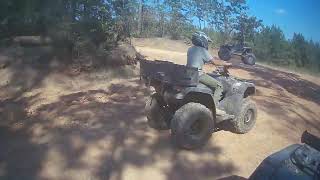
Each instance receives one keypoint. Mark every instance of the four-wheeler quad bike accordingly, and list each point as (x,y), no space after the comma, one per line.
(227,51)
(187,107)
(295,162)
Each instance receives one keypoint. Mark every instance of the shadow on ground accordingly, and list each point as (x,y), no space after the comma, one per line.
(95,134)
(103,134)
(289,81)
(289,114)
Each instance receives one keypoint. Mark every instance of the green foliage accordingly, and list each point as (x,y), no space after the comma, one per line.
(94,26)
(216,37)
(271,46)
(115,20)
(299,47)
(245,28)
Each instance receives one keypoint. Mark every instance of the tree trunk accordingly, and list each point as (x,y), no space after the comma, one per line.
(226,29)
(161,25)
(140,18)
(199,22)
(204,25)
(73,6)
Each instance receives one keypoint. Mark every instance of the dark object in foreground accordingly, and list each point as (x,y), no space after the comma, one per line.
(296,162)
(187,107)
(227,51)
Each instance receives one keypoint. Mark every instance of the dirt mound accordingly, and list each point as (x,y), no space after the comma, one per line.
(49,57)
(161,44)
(123,54)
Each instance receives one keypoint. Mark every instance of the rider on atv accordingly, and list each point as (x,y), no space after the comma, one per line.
(198,55)
(193,110)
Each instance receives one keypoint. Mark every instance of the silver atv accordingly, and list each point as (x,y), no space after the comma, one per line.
(187,107)
(227,51)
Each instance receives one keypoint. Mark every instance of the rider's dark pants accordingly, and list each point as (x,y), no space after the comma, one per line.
(213,84)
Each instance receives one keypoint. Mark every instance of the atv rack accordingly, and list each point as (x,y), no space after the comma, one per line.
(169,73)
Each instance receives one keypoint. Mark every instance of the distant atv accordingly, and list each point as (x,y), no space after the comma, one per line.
(227,51)
(187,107)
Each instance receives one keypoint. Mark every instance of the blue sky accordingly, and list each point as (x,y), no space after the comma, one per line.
(302,16)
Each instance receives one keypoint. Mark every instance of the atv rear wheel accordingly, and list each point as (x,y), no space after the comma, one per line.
(249,59)
(157,114)
(246,118)
(224,53)
(192,126)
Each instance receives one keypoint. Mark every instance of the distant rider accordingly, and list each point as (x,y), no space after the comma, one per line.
(198,55)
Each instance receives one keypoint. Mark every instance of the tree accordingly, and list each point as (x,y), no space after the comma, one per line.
(270,44)
(160,8)
(177,16)
(299,46)
(140,17)
(84,26)
(200,10)
(246,27)
(227,14)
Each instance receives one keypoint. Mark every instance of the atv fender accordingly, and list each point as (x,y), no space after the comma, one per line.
(250,91)
(202,95)
(243,89)
(202,89)
(239,91)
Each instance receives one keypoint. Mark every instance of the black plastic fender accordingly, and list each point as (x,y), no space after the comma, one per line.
(236,92)
(200,94)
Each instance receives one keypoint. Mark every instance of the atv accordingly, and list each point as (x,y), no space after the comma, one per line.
(187,107)
(227,51)
(297,161)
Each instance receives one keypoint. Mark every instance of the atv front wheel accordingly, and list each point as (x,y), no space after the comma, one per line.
(157,114)
(224,53)
(192,126)
(246,118)
(249,59)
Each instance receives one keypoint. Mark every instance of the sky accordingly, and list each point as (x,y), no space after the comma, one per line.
(300,16)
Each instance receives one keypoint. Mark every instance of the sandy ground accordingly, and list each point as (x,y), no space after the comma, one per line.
(92,126)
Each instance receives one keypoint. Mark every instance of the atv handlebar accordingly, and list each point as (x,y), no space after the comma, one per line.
(311,140)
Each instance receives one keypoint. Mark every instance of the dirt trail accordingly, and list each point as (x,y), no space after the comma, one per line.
(288,104)
(92,126)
